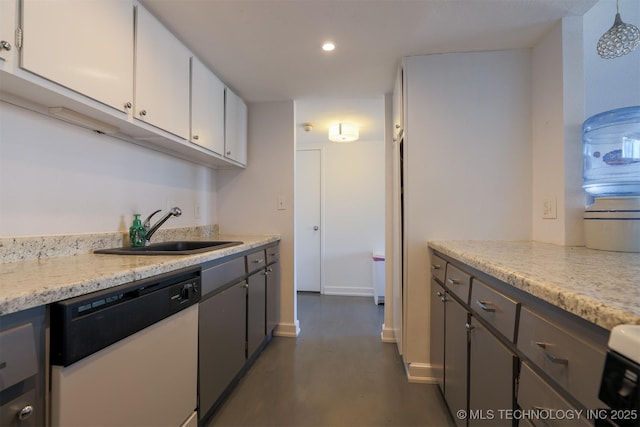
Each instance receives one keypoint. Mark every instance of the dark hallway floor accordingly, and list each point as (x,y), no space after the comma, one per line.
(336,373)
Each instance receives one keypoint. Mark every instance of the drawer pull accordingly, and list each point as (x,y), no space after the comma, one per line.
(453,281)
(439,293)
(468,327)
(551,357)
(258,261)
(435,266)
(484,307)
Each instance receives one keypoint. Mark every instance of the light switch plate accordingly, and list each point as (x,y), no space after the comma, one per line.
(282,203)
(549,208)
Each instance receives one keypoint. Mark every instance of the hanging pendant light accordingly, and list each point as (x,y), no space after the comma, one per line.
(620,40)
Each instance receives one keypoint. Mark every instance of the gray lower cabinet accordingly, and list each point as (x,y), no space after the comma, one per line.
(221,342)
(492,372)
(438,298)
(256,311)
(456,351)
(538,400)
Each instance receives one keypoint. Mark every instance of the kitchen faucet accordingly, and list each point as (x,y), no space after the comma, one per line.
(150,230)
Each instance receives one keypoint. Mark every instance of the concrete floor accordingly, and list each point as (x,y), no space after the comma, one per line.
(336,373)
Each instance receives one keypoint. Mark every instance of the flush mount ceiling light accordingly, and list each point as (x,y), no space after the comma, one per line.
(343,132)
(328,47)
(619,40)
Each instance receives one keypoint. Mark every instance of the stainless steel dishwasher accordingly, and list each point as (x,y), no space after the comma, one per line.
(127,356)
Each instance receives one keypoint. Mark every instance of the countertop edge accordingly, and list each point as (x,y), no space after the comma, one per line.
(16,301)
(583,306)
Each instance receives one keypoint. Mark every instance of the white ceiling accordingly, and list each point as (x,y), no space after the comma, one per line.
(268,50)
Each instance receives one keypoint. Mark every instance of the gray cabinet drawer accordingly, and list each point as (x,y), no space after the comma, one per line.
(572,362)
(438,267)
(222,274)
(256,261)
(458,282)
(537,397)
(273,254)
(494,307)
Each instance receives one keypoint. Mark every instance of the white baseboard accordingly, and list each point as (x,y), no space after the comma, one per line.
(387,334)
(290,330)
(348,291)
(420,373)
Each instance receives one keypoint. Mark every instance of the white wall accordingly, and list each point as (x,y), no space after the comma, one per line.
(610,83)
(571,83)
(353,176)
(557,116)
(468,165)
(57,178)
(354,215)
(247,199)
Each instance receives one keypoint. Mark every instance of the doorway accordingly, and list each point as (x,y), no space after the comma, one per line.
(308,218)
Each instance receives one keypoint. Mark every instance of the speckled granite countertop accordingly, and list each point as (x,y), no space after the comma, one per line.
(34,282)
(600,286)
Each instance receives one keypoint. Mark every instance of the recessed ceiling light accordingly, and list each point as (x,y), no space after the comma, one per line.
(328,47)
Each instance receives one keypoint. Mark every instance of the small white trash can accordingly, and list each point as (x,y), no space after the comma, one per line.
(378,278)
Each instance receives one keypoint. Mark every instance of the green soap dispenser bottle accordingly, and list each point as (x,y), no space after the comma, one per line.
(137,233)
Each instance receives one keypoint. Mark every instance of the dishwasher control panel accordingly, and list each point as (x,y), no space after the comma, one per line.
(83,325)
(184,294)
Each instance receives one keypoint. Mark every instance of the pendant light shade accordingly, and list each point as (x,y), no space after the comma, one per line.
(343,132)
(619,40)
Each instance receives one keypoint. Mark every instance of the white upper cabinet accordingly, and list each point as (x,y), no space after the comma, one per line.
(86,46)
(235,142)
(161,77)
(7,31)
(207,108)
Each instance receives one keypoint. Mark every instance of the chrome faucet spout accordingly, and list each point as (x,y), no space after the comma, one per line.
(151,229)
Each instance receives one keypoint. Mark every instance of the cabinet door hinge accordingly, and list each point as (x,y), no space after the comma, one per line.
(18,42)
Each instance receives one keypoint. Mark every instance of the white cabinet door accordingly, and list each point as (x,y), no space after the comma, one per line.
(86,46)
(8,24)
(398,120)
(207,108)
(235,141)
(161,77)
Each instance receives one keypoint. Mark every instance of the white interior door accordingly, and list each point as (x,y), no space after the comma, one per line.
(308,231)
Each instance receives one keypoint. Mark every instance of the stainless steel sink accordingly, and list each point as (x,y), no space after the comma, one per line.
(171,248)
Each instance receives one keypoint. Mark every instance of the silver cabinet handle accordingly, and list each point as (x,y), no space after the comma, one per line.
(439,293)
(269,270)
(228,153)
(484,307)
(25,412)
(435,266)
(453,281)
(316,228)
(196,137)
(5,45)
(397,126)
(258,261)
(551,357)
(468,327)
(127,105)
(143,113)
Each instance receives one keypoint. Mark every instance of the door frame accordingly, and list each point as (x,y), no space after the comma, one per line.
(322,213)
